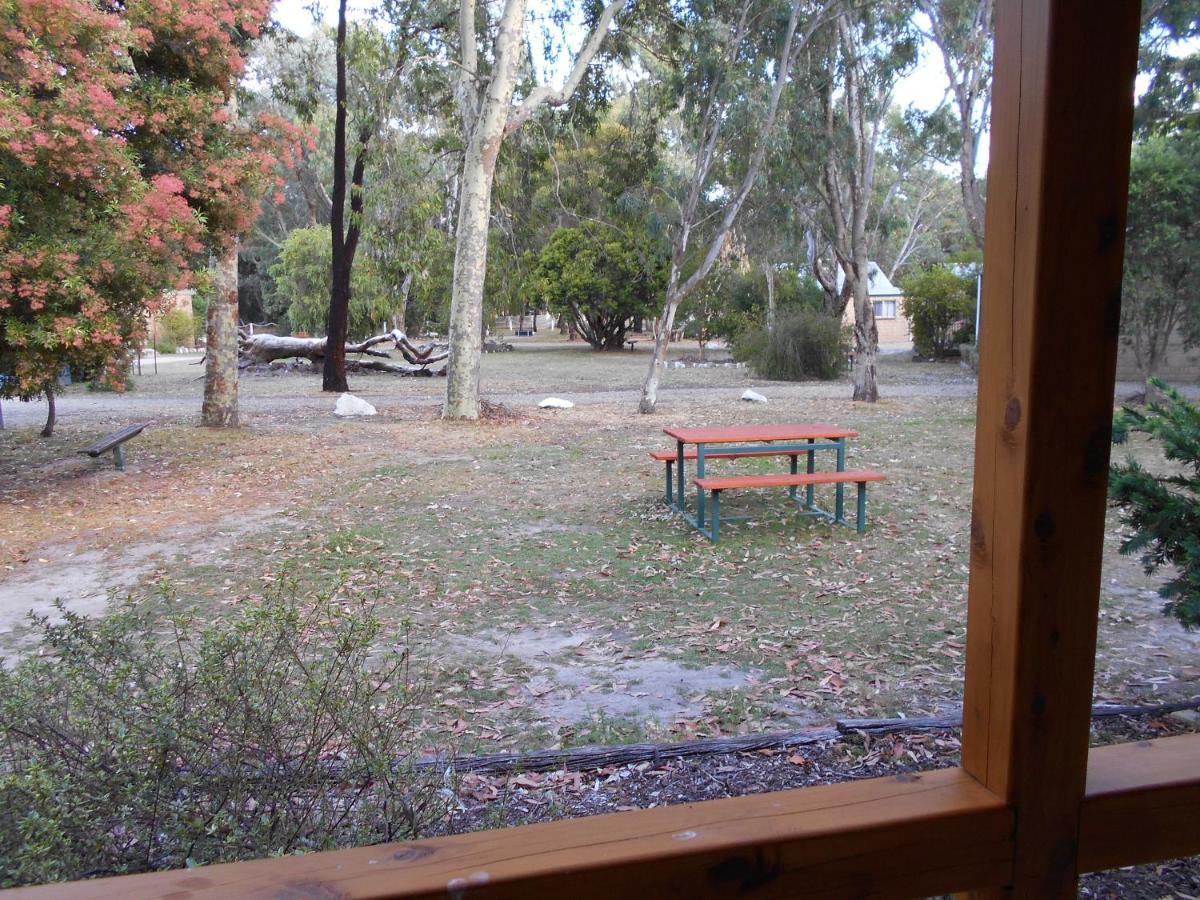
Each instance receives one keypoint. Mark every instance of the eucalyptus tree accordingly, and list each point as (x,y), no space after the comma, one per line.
(729,76)
(963,32)
(836,136)
(484,92)
(386,58)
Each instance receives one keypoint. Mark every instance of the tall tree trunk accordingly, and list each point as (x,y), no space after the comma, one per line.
(662,338)
(474,209)
(220,408)
(866,342)
(51,411)
(769,271)
(333,373)
(470,252)
(487,130)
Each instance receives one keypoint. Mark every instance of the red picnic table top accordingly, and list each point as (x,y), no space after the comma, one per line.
(753,434)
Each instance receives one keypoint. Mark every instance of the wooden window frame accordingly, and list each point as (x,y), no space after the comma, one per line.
(1030,808)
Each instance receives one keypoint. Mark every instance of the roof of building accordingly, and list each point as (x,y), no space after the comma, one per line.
(878,284)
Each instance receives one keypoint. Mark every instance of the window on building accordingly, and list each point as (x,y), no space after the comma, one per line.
(885,309)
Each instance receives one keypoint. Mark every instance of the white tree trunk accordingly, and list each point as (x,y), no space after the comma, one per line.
(487,132)
(769,271)
(220,408)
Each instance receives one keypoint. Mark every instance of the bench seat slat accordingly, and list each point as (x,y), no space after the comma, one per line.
(109,441)
(731,482)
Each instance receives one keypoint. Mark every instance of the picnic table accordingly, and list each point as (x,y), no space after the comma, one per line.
(747,441)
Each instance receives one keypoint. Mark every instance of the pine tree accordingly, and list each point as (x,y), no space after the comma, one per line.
(1164,510)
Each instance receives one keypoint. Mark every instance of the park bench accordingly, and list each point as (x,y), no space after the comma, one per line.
(715,485)
(114,441)
(669,456)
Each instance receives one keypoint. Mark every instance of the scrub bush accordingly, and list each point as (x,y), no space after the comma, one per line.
(136,742)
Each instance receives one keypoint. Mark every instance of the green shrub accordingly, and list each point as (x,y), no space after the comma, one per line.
(804,345)
(941,308)
(1164,510)
(137,742)
(174,330)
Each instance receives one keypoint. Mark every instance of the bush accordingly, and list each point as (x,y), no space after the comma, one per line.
(175,329)
(1164,510)
(131,743)
(600,277)
(941,308)
(804,345)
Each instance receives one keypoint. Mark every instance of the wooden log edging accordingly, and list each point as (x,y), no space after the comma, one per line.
(954,720)
(584,758)
(587,758)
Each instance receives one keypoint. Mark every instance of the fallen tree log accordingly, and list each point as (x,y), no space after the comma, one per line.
(586,758)
(262,349)
(954,720)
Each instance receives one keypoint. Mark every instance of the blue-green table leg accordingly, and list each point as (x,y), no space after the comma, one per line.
(839,509)
(679,494)
(809,497)
(862,507)
(792,489)
(700,490)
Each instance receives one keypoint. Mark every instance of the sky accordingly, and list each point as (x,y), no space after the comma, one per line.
(924,87)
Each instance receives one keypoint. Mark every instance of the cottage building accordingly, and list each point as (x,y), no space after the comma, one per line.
(888,301)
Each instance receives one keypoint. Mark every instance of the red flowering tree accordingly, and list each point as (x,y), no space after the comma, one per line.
(119,168)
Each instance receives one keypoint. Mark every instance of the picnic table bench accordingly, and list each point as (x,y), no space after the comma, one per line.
(747,441)
(715,486)
(114,441)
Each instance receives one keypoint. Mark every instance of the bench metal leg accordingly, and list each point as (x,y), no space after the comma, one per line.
(119,457)
(862,507)
(839,509)
(679,495)
(669,495)
(792,489)
(715,532)
(810,490)
(700,511)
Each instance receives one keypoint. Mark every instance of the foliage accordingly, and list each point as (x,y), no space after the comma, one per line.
(302,276)
(602,277)
(1164,510)
(1170,65)
(940,306)
(804,345)
(1161,289)
(134,743)
(175,329)
(118,163)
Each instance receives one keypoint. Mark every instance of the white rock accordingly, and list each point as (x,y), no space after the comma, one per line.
(349,405)
(556,403)
(753,396)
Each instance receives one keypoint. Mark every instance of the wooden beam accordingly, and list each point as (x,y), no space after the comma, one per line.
(904,836)
(1061,120)
(1141,803)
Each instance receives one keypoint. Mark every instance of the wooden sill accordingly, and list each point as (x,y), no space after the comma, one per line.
(908,835)
(1141,804)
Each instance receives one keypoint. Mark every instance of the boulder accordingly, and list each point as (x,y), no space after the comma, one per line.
(349,405)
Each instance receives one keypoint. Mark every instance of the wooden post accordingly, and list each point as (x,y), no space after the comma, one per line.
(1061,120)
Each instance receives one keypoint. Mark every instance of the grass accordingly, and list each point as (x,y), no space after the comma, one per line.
(553,598)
